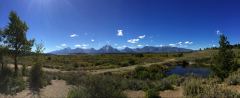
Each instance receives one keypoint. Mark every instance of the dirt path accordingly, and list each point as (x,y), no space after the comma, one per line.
(29,67)
(58,89)
(134,94)
(176,93)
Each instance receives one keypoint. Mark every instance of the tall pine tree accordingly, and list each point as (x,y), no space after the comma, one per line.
(15,37)
(224,62)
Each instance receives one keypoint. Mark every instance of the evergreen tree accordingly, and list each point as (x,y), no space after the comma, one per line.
(36,73)
(15,37)
(224,60)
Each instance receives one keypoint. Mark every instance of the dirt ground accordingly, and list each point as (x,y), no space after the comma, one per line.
(176,93)
(58,89)
(134,94)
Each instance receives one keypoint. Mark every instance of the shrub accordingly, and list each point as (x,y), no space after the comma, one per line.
(24,70)
(154,72)
(133,84)
(99,87)
(36,77)
(193,87)
(196,88)
(233,78)
(163,85)
(151,93)
(132,62)
(124,64)
(174,79)
(10,83)
(78,92)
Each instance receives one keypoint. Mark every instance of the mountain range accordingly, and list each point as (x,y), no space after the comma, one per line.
(109,49)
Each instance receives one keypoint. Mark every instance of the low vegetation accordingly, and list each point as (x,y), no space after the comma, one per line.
(199,88)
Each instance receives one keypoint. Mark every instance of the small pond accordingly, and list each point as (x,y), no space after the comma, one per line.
(197,71)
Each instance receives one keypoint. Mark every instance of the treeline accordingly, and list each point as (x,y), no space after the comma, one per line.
(235,46)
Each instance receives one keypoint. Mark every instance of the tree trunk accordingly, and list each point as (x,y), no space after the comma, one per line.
(15,64)
(2,65)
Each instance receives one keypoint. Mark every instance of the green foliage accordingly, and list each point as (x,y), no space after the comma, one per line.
(174,79)
(193,87)
(3,54)
(97,87)
(36,78)
(24,70)
(197,88)
(152,93)
(15,37)
(93,62)
(233,78)
(10,83)
(163,85)
(224,60)
(153,72)
(78,92)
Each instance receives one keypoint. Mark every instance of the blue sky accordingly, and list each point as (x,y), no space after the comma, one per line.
(190,24)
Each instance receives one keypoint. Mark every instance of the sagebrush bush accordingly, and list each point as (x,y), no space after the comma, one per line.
(197,88)
(174,79)
(152,93)
(163,85)
(36,79)
(9,82)
(233,78)
(193,87)
(153,72)
(99,87)
(78,92)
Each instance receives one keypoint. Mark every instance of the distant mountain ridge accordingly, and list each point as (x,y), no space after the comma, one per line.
(109,49)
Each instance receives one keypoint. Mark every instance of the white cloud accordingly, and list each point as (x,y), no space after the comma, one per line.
(136,40)
(63,45)
(92,40)
(121,47)
(84,46)
(180,43)
(119,32)
(172,45)
(142,37)
(73,35)
(133,41)
(139,45)
(188,42)
(218,32)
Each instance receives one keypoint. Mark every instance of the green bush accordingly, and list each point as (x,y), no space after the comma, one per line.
(197,88)
(36,79)
(9,82)
(154,72)
(163,85)
(174,79)
(99,87)
(78,92)
(193,87)
(233,78)
(152,93)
